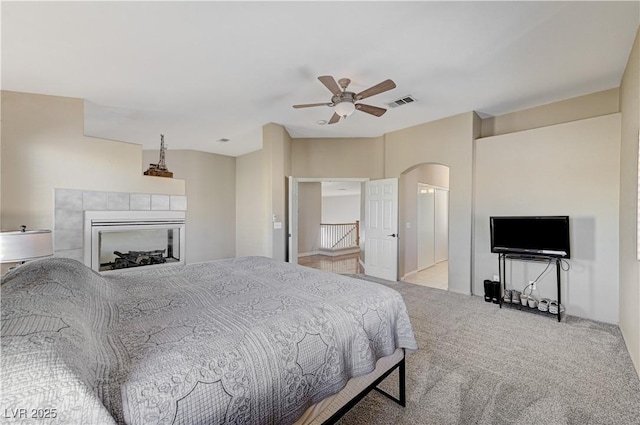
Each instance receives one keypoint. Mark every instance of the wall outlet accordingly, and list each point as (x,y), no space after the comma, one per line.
(496,278)
(533,284)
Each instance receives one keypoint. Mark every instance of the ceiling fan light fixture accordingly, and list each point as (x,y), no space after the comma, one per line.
(343,101)
(345,108)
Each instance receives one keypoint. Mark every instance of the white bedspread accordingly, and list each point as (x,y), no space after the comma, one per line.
(246,340)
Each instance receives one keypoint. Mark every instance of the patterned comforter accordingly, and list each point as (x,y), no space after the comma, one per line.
(243,341)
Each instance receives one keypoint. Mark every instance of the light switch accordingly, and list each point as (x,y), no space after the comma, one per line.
(408,225)
(277,225)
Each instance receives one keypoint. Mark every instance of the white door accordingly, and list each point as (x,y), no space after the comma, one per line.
(292,239)
(381,229)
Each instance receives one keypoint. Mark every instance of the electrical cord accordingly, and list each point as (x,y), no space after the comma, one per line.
(563,262)
(543,272)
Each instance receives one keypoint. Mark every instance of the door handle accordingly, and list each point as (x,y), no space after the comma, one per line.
(393,235)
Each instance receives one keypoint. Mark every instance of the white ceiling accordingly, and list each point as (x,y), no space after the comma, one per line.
(201,71)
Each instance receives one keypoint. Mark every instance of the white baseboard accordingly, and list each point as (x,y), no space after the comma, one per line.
(308,254)
(408,274)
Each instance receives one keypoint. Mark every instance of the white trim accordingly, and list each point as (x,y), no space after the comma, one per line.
(104,216)
(409,274)
(434,186)
(333,179)
(292,224)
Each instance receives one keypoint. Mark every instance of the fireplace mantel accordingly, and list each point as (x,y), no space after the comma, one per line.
(71,204)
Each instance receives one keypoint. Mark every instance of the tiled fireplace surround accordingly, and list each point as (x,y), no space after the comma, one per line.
(71,204)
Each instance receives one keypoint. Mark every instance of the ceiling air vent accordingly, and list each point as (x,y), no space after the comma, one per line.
(402,101)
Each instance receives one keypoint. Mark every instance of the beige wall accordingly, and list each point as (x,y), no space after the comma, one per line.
(341,209)
(629,270)
(309,216)
(211,193)
(346,158)
(448,142)
(43,148)
(251,205)
(335,158)
(567,169)
(277,166)
(262,196)
(577,108)
(433,174)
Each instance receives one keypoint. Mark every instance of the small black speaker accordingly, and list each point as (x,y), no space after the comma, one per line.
(488,290)
(496,292)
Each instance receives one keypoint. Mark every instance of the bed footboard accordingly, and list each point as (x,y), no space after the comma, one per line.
(402,395)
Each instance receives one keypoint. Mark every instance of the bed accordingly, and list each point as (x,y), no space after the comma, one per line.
(246,340)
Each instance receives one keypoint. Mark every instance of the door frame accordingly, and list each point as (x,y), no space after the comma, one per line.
(293,210)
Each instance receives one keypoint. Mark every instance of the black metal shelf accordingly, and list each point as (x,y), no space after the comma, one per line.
(502,258)
(526,308)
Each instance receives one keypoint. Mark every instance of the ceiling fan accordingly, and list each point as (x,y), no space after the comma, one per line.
(345,101)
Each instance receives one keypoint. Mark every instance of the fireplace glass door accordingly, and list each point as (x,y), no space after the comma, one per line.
(123,247)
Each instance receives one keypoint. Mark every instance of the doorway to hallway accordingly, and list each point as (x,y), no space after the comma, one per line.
(376,232)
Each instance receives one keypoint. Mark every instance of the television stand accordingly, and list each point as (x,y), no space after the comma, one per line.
(503,257)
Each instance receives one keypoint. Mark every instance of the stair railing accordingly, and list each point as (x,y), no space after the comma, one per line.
(336,236)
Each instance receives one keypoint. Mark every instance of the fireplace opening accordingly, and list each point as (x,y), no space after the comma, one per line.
(117,241)
(136,248)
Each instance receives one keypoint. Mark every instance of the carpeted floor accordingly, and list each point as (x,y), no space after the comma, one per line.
(478,364)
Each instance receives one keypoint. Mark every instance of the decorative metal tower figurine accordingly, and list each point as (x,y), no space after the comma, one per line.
(159,169)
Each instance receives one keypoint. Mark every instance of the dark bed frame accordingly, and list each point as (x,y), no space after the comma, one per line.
(401,400)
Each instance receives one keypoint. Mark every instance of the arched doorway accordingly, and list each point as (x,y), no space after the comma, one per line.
(424,218)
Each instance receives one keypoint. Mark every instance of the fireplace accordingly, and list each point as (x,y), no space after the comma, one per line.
(129,240)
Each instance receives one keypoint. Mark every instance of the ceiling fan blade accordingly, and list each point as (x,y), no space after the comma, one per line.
(330,83)
(377,89)
(373,110)
(309,105)
(334,119)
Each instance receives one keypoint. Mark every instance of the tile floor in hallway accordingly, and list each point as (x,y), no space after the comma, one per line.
(343,264)
(436,276)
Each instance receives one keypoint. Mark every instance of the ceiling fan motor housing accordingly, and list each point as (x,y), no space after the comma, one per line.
(344,83)
(345,96)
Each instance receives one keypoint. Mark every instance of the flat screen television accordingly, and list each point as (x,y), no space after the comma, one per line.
(532,235)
